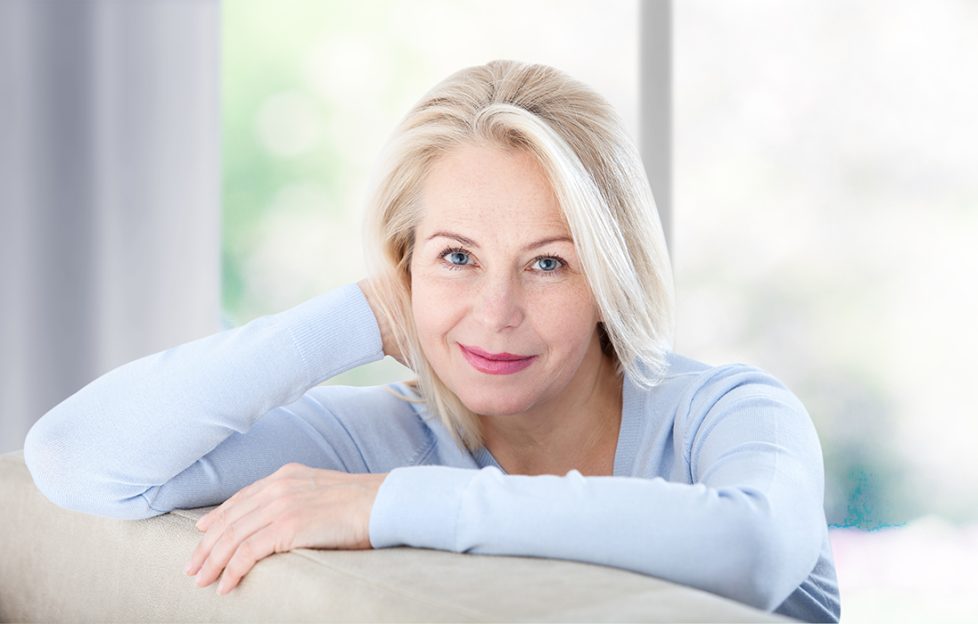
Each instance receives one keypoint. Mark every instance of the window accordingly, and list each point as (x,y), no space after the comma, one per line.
(313,89)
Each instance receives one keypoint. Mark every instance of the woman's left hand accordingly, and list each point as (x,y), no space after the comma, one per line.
(295,507)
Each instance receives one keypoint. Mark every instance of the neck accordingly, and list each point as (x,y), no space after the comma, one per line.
(577,430)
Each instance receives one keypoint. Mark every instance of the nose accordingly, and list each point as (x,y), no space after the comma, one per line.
(499,304)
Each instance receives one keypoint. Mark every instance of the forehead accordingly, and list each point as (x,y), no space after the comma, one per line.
(489,187)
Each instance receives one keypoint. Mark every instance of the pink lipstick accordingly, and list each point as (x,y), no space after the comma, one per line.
(495,363)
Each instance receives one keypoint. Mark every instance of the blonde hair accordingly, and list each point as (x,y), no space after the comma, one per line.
(600,184)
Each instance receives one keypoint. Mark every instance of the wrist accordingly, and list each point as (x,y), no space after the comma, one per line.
(371,483)
(387,337)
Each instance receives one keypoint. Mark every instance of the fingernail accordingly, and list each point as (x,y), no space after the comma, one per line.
(186,570)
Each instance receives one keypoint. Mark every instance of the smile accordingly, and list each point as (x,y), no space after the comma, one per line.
(496,363)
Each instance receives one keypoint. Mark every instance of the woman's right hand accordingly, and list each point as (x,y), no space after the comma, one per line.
(390,345)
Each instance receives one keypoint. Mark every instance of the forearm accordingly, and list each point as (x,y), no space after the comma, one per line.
(142,423)
(718,540)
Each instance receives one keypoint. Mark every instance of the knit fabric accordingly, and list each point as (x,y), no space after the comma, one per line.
(718,476)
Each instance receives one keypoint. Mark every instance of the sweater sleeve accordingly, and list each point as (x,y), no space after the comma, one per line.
(112,446)
(748,526)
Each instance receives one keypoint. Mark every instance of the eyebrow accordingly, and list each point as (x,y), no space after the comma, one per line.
(471,243)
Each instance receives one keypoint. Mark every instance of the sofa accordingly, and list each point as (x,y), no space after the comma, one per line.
(59,565)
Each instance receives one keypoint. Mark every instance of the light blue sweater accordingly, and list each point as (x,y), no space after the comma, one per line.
(718,476)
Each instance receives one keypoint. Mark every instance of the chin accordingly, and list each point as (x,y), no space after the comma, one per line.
(492,402)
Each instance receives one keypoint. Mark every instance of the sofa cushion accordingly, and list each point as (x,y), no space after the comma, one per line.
(61,565)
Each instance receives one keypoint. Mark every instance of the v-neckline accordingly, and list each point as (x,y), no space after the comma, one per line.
(625,446)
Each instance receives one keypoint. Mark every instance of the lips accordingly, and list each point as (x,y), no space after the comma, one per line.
(495,363)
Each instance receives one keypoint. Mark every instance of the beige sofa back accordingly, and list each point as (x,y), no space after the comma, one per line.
(60,565)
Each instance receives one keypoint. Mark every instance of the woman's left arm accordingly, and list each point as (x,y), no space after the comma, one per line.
(749,527)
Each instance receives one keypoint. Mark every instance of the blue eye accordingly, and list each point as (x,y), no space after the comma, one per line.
(457,257)
(548,264)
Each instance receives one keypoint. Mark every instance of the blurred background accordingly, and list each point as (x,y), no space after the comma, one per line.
(170,169)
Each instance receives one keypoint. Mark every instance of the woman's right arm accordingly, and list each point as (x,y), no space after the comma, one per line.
(109,447)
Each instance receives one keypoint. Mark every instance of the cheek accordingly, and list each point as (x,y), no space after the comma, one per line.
(434,307)
(566,322)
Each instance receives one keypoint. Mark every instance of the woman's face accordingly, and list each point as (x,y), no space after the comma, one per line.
(503,310)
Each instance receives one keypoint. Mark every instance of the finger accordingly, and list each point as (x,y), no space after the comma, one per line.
(204,520)
(229,540)
(221,522)
(244,502)
(207,519)
(206,543)
(263,543)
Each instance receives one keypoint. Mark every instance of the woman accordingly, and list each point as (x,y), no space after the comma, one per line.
(521,273)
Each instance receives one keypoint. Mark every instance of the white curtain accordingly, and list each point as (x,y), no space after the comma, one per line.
(109,191)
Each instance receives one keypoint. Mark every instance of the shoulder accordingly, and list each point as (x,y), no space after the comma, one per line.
(691,381)
(699,394)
